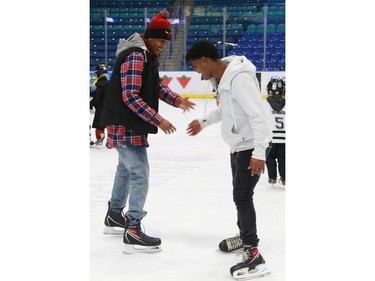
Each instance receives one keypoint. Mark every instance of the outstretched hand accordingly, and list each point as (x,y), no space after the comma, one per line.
(193,128)
(167,127)
(186,104)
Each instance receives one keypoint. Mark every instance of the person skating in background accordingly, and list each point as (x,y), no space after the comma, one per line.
(130,114)
(246,127)
(92,112)
(97,102)
(276,158)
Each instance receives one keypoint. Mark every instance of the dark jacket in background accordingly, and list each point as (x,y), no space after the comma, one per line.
(98,99)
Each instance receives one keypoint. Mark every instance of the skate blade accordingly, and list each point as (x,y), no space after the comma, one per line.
(277,186)
(113,230)
(133,249)
(244,274)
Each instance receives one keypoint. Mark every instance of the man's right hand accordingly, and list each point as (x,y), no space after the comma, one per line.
(167,127)
(193,128)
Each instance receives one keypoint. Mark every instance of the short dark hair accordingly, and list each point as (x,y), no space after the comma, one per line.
(202,48)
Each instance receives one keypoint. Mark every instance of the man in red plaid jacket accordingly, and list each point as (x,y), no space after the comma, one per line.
(130,114)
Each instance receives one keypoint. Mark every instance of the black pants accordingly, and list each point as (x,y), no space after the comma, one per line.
(277,152)
(243,190)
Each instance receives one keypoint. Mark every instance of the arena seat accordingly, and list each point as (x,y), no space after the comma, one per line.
(244,26)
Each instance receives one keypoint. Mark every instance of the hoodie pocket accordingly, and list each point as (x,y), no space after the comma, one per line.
(229,134)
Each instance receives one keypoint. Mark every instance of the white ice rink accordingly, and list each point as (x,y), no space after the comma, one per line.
(189,207)
(330,162)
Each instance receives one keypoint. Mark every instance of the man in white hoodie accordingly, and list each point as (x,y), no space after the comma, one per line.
(246,127)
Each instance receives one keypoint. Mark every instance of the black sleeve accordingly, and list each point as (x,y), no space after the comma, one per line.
(96,99)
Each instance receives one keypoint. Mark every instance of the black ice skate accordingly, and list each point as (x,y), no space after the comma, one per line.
(138,242)
(282,181)
(99,141)
(252,265)
(272,181)
(115,224)
(231,244)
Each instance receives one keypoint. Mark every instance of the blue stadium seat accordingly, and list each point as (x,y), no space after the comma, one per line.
(244,26)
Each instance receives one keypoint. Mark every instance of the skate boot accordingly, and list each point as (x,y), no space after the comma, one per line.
(99,141)
(252,265)
(115,224)
(271,181)
(282,181)
(137,241)
(231,244)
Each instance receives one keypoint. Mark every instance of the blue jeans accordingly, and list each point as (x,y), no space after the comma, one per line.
(131,180)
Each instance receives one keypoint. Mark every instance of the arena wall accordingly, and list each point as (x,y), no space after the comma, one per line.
(189,83)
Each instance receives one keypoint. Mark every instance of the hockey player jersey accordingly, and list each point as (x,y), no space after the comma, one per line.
(278,128)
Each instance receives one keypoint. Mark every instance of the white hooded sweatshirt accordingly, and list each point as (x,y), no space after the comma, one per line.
(246,122)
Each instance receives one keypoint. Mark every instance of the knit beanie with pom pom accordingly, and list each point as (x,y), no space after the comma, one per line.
(159,27)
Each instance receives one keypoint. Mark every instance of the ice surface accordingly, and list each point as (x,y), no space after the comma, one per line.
(189,207)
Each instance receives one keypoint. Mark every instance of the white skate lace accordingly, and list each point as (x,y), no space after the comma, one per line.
(234,243)
(245,256)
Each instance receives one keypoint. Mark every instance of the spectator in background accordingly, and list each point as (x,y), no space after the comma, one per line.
(97,102)
(130,114)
